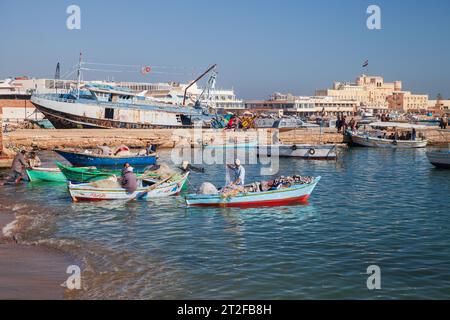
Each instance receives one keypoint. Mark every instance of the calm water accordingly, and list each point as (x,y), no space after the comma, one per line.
(383,207)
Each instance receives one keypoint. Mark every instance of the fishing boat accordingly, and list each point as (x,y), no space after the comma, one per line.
(302,151)
(147,189)
(45,174)
(104,106)
(231,145)
(439,157)
(85,175)
(296,194)
(381,139)
(80,159)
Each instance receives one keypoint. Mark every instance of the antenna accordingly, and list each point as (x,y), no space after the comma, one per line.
(57,77)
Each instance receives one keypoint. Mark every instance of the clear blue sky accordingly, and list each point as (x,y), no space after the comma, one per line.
(261,46)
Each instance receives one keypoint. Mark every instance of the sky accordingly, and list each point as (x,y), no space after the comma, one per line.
(260,47)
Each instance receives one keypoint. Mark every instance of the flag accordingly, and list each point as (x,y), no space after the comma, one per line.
(366,63)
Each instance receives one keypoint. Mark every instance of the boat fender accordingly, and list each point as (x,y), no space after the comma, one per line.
(312,151)
(394,142)
(294,147)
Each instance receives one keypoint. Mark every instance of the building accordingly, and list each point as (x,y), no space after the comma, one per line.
(15,96)
(405,101)
(303,106)
(367,91)
(439,106)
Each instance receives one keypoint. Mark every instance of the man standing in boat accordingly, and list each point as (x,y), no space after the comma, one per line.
(238,173)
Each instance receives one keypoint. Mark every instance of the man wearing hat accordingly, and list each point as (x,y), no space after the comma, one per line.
(129,180)
(238,172)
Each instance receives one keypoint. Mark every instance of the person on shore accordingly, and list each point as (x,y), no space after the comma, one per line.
(444,121)
(338,124)
(238,178)
(34,161)
(129,180)
(344,124)
(18,166)
(352,124)
(105,150)
(150,149)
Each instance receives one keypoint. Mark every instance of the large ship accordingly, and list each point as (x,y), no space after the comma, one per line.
(105,106)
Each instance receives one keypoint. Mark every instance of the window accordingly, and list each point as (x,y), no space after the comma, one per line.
(109,113)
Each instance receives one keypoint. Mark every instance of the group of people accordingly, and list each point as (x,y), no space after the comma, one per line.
(410,135)
(21,162)
(342,125)
(443,122)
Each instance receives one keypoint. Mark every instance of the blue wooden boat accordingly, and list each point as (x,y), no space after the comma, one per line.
(79,159)
(296,194)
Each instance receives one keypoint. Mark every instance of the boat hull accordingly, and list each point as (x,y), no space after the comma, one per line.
(45,174)
(88,192)
(69,114)
(294,195)
(90,160)
(311,152)
(439,159)
(365,141)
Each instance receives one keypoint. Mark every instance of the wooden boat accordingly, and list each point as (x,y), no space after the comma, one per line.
(231,145)
(85,175)
(296,194)
(378,139)
(92,192)
(439,157)
(79,159)
(303,151)
(45,174)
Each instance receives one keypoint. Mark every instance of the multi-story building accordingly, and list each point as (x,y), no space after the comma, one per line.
(439,107)
(405,101)
(303,106)
(371,92)
(15,96)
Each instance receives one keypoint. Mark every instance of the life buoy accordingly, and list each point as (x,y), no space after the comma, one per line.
(294,147)
(312,151)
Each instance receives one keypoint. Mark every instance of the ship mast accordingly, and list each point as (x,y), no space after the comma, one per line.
(79,75)
(192,83)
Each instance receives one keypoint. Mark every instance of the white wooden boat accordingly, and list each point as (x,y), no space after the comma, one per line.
(94,192)
(304,151)
(379,139)
(296,194)
(439,157)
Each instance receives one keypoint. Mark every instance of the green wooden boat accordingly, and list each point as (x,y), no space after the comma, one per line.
(85,174)
(46,174)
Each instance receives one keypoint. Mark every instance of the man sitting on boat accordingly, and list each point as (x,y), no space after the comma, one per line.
(238,178)
(34,160)
(105,150)
(129,180)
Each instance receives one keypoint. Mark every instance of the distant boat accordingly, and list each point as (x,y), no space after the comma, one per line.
(380,140)
(303,151)
(45,174)
(292,123)
(296,194)
(439,157)
(79,159)
(95,192)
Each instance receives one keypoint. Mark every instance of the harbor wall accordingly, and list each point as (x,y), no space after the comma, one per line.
(47,139)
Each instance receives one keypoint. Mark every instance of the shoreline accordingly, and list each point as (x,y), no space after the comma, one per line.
(29,272)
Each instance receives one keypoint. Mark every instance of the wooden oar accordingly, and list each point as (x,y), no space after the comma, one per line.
(153,186)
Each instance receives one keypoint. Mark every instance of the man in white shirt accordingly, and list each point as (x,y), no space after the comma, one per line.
(239,173)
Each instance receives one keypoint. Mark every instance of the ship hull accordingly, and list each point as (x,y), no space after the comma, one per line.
(66,115)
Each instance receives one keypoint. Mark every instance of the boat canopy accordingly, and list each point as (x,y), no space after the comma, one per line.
(397,125)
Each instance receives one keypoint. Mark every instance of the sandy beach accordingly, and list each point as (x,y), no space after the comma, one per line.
(29,272)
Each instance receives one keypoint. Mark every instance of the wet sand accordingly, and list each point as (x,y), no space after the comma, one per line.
(30,272)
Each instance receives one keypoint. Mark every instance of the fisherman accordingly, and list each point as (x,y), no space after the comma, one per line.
(129,180)
(239,173)
(186,166)
(18,166)
(105,150)
(34,160)
(125,167)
